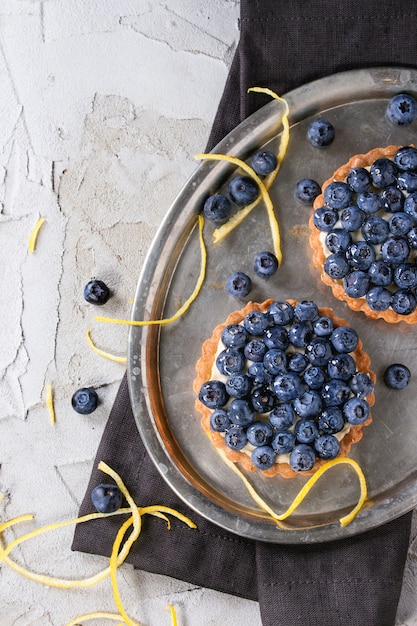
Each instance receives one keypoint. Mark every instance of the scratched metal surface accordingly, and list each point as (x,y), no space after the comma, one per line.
(162,360)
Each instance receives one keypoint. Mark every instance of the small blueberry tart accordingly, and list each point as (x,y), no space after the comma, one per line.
(284,386)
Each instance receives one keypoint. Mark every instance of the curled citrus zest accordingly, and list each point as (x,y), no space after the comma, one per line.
(106,355)
(113,566)
(173,614)
(34,234)
(153,509)
(49,401)
(185,306)
(307,488)
(276,238)
(15,520)
(98,615)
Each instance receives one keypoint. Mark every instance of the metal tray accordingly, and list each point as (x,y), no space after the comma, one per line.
(161,360)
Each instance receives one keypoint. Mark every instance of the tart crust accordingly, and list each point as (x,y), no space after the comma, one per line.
(204,372)
(356,304)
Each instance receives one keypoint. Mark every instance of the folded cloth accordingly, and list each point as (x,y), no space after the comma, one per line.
(353,581)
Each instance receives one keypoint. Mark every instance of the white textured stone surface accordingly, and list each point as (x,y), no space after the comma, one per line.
(103,105)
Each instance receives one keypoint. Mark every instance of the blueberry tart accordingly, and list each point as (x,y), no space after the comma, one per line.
(284,386)
(364,233)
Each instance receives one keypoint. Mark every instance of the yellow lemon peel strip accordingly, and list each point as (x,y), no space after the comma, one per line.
(307,488)
(34,234)
(49,401)
(106,355)
(186,304)
(276,238)
(113,567)
(173,614)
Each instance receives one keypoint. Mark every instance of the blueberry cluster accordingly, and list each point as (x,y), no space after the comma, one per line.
(288,385)
(370,226)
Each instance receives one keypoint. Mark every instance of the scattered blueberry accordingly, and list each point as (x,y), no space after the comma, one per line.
(106,498)
(397,376)
(243,190)
(307,190)
(238,285)
(402,109)
(264,162)
(217,209)
(84,400)
(96,292)
(265,264)
(320,133)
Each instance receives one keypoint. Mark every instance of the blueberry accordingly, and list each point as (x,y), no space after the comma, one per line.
(314,377)
(344,339)
(360,255)
(379,298)
(84,400)
(287,386)
(306,311)
(243,190)
(323,326)
(213,394)
(405,275)
(352,218)
(407,181)
(331,421)
(375,230)
(281,313)
(241,413)
(325,218)
(219,420)
(259,433)
(302,458)
(320,133)
(395,250)
(412,237)
(410,205)
(404,302)
(406,158)
(327,447)
(238,285)
(234,336)
(356,284)
(338,240)
(356,411)
(400,223)
(336,266)
(256,322)
(402,109)
(265,264)
(307,190)
(305,431)
(217,209)
(238,385)
(275,361)
(259,375)
(276,337)
(297,362)
(308,405)
(230,361)
(369,202)
(338,195)
(300,334)
(380,273)
(263,400)
(392,199)
(96,292)
(106,498)
(282,417)
(341,366)
(255,350)
(263,457)
(358,179)
(362,384)
(283,442)
(383,173)
(335,392)
(397,376)
(318,351)
(264,162)
(235,438)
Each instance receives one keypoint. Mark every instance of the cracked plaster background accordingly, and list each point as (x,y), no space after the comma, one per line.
(103,106)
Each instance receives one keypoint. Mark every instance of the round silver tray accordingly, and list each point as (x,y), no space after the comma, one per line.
(161,361)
